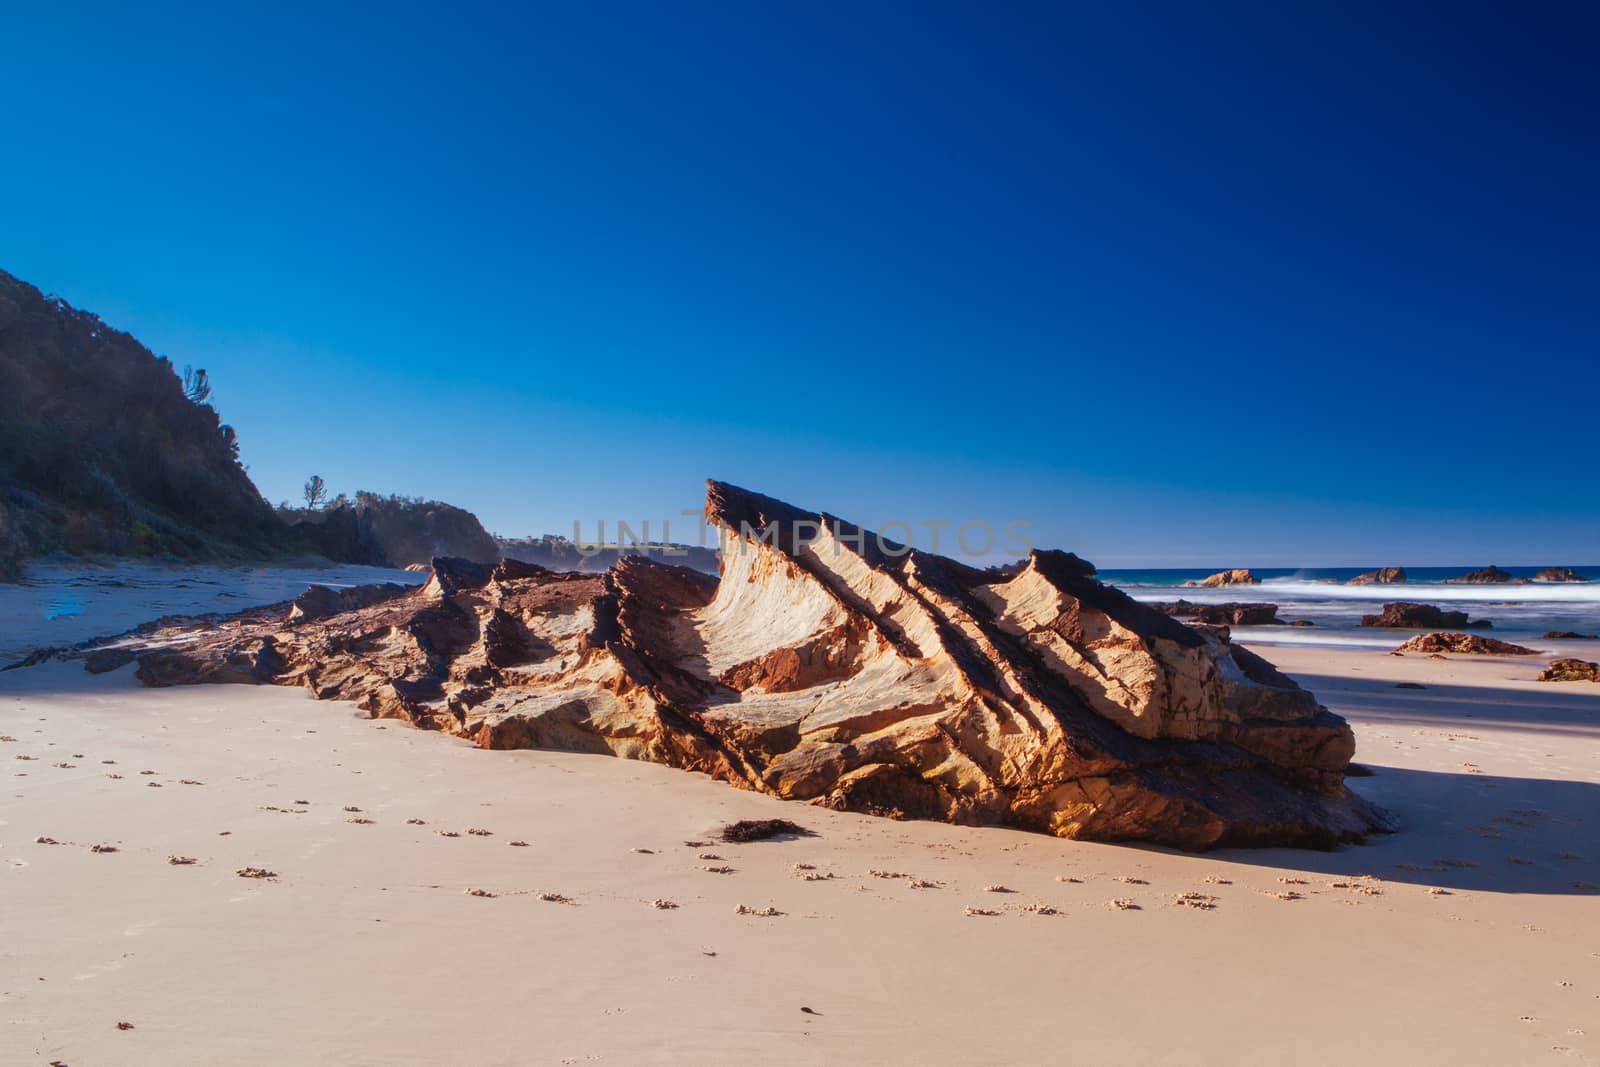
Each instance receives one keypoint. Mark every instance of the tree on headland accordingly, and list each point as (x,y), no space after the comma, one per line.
(196,385)
(316,492)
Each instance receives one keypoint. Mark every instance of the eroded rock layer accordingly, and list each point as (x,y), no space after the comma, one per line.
(831,666)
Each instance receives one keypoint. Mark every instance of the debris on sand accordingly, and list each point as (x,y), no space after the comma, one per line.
(255,872)
(103,848)
(765,913)
(662,904)
(981,911)
(477,893)
(746,830)
(556,898)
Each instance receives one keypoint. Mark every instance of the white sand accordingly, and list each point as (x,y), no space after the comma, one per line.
(366,949)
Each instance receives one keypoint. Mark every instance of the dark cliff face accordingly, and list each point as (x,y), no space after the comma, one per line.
(101,451)
(393,531)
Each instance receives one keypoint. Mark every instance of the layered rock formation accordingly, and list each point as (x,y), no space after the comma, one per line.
(1490,575)
(1403,615)
(1468,644)
(1237,576)
(1559,574)
(1229,614)
(1384,576)
(832,666)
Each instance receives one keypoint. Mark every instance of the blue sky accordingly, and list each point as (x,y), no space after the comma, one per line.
(1178,283)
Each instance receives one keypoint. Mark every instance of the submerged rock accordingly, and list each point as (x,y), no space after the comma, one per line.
(1403,615)
(1237,576)
(1229,614)
(1490,575)
(1568,635)
(1559,574)
(830,665)
(1384,576)
(1473,644)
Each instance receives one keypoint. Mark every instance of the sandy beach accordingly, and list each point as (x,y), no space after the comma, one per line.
(1470,936)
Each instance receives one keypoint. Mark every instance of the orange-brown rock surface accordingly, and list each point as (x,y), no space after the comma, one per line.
(1403,615)
(1571,670)
(830,666)
(1382,576)
(1471,644)
(1237,576)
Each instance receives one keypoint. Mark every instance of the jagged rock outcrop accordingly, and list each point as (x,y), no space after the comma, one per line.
(561,554)
(1569,635)
(1383,576)
(1467,644)
(1490,575)
(1229,614)
(832,666)
(1559,574)
(1237,576)
(1403,615)
(1570,670)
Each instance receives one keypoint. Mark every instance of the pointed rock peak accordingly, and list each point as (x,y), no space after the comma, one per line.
(452,575)
(745,513)
(1054,563)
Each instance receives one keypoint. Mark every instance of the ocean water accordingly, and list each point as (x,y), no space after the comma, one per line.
(1521,613)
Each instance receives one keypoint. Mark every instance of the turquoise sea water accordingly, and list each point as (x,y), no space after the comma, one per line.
(1520,613)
